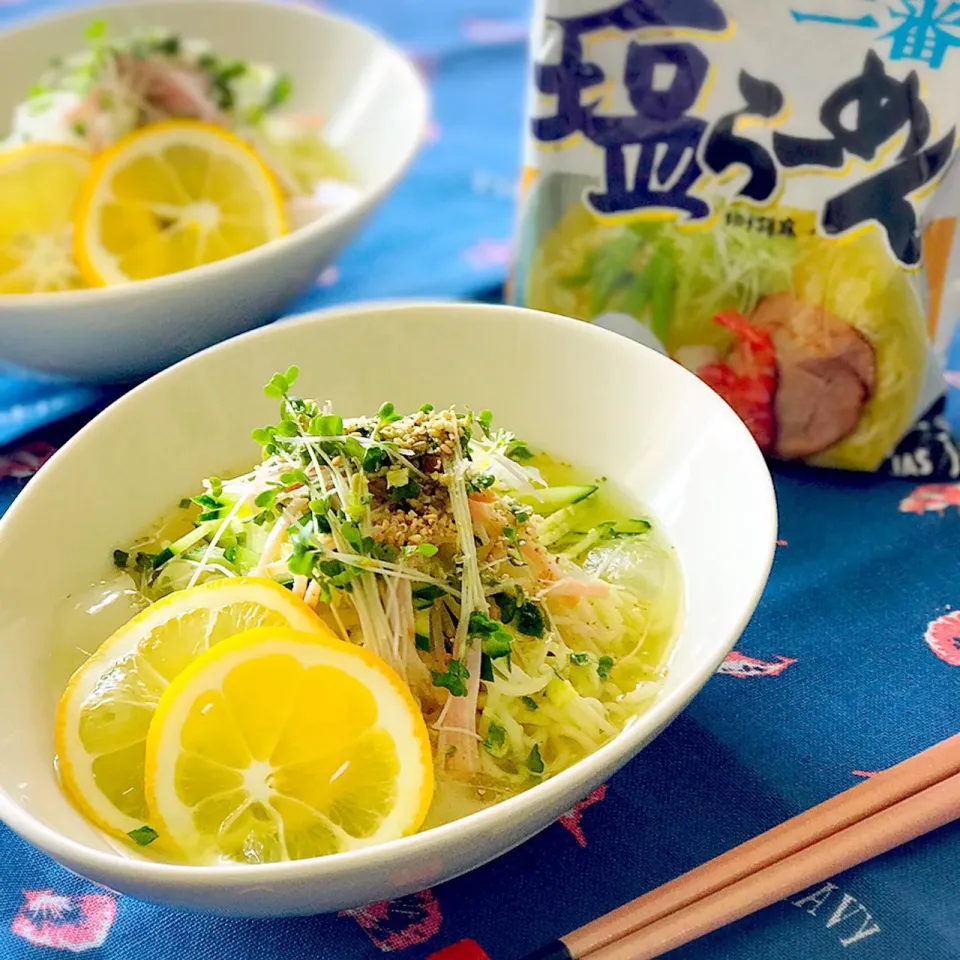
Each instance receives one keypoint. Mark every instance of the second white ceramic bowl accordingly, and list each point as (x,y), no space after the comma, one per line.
(587,396)
(377,110)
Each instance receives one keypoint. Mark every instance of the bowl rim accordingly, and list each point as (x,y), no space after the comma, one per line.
(368,198)
(523,806)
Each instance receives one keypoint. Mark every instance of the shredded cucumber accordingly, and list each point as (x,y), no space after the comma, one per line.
(552,499)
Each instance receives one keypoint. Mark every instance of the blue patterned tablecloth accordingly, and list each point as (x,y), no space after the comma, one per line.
(851,663)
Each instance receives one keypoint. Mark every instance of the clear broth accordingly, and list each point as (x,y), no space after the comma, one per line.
(89,617)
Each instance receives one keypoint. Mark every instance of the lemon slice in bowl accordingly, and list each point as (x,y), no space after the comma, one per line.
(278,745)
(172,196)
(39,186)
(105,712)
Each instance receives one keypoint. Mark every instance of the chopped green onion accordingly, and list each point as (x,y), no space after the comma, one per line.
(530,619)
(423,597)
(482,481)
(385,551)
(519,451)
(496,739)
(534,761)
(409,491)
(453,679)
(120,558)
(519,511)
(604,666)
(486,668)
(507,605)
(530,703)
(170,46)
(143,836)
(280,92)
(495,640)
(373,459)
(339,574)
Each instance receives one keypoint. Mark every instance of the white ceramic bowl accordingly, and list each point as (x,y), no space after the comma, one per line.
(588,396)
(377,111)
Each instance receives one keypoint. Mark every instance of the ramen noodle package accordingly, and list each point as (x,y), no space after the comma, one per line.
(765,191)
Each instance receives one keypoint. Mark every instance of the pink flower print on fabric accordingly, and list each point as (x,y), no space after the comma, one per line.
(943,637)
(328,277)
(486,253)
(740,665)
(931,498)
(26,461)
(426,63)
(401,923)
(572,820)
(74,923)
(485,31)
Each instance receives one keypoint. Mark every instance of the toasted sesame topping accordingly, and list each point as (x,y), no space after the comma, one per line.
(437,432)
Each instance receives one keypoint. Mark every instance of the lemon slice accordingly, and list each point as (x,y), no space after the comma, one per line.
(277,745)
(105,712)
(39,186)
(172,196)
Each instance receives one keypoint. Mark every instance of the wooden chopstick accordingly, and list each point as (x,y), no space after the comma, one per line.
(823,821)
(896,825)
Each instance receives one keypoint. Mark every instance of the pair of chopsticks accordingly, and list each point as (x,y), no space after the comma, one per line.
(889,809)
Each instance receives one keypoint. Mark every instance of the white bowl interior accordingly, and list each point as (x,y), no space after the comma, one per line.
(348,75)
(588,396)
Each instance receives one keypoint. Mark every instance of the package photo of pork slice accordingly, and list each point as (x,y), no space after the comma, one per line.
(765,192)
